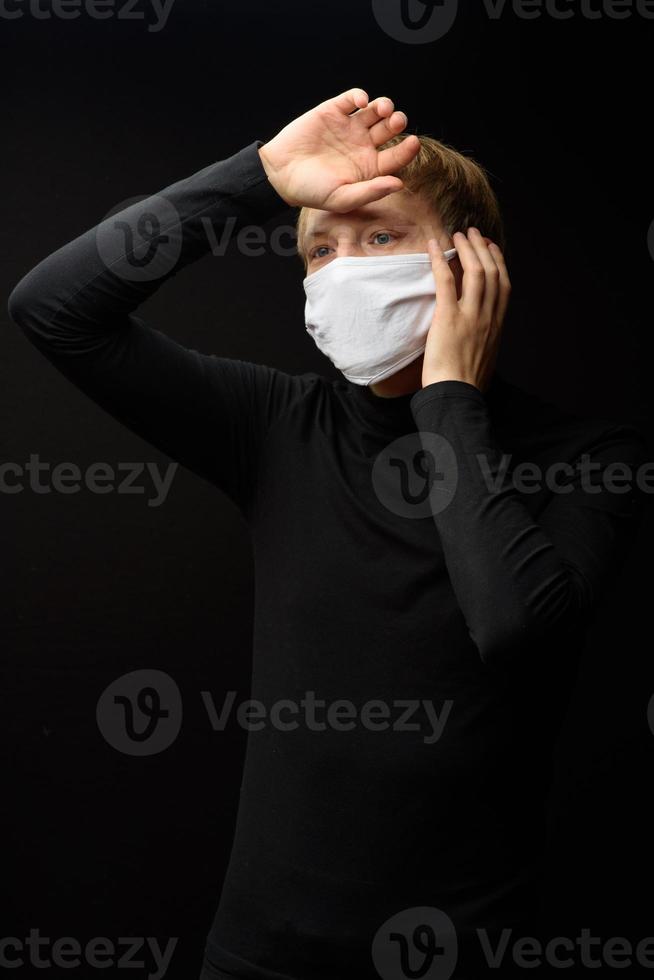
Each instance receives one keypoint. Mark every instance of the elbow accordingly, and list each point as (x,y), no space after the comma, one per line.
(25,303)
(31,305)
(18,305)
(22,304)
(504,633)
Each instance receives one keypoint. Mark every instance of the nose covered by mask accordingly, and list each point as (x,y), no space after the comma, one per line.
(370,315)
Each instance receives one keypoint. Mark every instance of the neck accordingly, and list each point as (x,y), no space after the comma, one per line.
(403,382)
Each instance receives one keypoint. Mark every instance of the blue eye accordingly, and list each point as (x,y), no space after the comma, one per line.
(381,238)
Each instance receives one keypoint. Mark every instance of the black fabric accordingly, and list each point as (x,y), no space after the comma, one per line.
(481,604)
(211,972)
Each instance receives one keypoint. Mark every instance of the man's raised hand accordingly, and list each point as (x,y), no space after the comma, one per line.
(329,158)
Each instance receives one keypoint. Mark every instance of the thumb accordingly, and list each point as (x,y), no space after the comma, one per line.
(347,197)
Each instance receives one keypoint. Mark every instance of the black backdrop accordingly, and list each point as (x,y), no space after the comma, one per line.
(100,843)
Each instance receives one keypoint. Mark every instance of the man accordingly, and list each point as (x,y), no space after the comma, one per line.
(418,610)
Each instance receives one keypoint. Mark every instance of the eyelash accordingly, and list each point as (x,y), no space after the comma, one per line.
(316,248)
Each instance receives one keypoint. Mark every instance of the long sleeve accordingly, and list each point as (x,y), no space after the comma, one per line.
(77,308)
(517,577)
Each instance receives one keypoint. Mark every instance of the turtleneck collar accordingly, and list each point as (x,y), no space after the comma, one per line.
(389,412)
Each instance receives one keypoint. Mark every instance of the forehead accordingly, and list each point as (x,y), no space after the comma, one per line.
(400,207)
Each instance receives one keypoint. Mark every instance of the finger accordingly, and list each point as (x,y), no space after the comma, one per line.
(354,98)
(505,282)
(379,108)
(387,128)
(473,285)
(491,272)
(391,160)
(351,196)
(446,297)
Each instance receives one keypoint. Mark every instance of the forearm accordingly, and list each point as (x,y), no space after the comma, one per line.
(93,282)
(509,579)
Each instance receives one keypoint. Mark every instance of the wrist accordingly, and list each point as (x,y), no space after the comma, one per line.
(265,162)
(272,173)
(434,377)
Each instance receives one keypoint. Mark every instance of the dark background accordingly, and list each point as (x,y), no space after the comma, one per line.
(98,843)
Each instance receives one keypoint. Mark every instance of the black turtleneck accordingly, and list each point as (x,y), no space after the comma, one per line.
(388,570)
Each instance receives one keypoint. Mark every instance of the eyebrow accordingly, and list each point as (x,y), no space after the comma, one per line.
(370,216)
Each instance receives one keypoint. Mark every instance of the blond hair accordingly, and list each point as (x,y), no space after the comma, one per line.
(455,186)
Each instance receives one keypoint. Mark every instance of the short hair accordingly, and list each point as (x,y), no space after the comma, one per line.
(455,186)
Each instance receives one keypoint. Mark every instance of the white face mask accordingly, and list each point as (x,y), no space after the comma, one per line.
(371,315)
